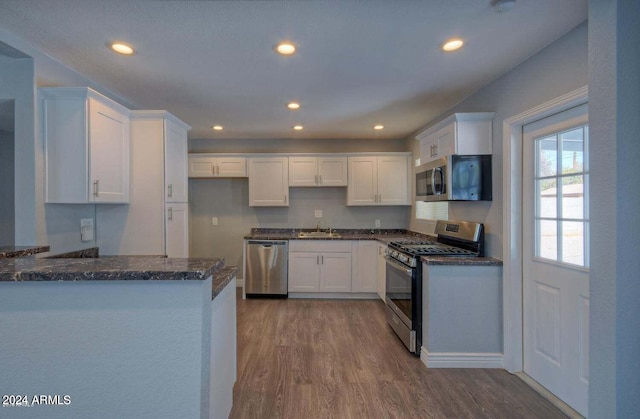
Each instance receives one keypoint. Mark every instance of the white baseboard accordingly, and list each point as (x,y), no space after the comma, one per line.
(239,282)
(461,359)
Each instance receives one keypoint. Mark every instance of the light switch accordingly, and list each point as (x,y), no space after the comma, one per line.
(377,223)
(317,213)
(86,229)
(214,221)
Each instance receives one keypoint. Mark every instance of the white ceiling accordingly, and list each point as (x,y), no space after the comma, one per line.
(359,62)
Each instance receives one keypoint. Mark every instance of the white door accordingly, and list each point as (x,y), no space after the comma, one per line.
(303,171)
(393,180)
(109,154)
(556,255)
(269,182)
(335,272)
(363,181)
(175,163)
(177,228)
(304,272)
(332,171)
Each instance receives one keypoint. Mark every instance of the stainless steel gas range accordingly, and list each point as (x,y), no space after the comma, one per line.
(404,273)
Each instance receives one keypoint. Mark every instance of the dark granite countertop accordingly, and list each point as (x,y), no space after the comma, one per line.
(20,251)
(111,268)
(457,260)
(221,279)
(382,235)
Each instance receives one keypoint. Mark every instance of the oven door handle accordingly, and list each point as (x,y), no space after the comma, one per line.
(399,266)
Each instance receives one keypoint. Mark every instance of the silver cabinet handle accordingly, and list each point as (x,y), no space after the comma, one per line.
(170,211)
(96,187)
(316,179)
(213,170)
(317,259)
(322,260)
(218,170)
(320,177)
(170,191)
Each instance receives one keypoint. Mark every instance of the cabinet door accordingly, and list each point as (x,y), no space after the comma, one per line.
(269,182)
(175,163)
(445,141)
(363,181)
(335,272)
(303,171)
(231,167)
(109,154)
(332,171)
(304,272)
(393,180)
(382,271)
(177,228)
(365,266)
(202,166)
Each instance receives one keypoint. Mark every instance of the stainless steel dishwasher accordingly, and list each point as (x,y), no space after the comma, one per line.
(267,268)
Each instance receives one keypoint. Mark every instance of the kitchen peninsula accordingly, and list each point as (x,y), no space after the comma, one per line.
(121,336)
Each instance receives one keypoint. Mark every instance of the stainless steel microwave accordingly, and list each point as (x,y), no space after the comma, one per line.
(455,178)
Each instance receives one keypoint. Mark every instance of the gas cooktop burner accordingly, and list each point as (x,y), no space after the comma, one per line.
(431,249)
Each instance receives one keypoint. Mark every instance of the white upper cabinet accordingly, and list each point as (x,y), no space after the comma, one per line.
(175,162)
(268,182)
(379,180)
(86,137)
(216,166)
(317,171)
(461,133)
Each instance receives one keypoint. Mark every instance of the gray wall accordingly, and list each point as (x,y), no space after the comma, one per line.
(557,69)
(36,222)
(228,199)
(614,104)
(7,189)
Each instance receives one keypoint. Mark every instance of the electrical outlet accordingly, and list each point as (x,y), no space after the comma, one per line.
(317,213)
(214,221)
(377,223)
(86,229)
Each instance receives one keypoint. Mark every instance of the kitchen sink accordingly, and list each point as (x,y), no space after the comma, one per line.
(318,235)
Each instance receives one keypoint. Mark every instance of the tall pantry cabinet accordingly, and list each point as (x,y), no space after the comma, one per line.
(156,221)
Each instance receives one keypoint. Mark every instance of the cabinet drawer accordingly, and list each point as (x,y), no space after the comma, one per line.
(342,246)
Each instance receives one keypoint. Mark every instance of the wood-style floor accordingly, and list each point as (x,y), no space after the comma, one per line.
(339,359)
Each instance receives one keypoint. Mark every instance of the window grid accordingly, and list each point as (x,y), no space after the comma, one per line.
(561,178)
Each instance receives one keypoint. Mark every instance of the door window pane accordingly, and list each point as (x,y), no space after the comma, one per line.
(547,191)
(573,242)
(548,239)
(561,212)
(547,151)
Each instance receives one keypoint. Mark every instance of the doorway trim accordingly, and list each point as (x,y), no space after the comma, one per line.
(512,219)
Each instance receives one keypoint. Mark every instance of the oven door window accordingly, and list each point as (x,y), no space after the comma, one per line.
(398,291)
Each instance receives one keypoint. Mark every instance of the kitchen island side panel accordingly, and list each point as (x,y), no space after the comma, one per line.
(117,348)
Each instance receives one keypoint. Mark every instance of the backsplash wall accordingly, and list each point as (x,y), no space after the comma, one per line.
(228,200)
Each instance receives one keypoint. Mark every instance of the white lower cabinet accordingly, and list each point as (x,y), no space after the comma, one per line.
(382,271)
(365,266)
(319,266)
(177,228)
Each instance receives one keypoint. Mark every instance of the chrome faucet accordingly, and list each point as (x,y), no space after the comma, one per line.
(318,227)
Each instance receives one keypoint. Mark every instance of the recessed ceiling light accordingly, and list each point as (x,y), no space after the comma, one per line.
(298,127)
(285,48)
(452,45)
(122,48)
(293,105)
(378,127)
(217,127)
